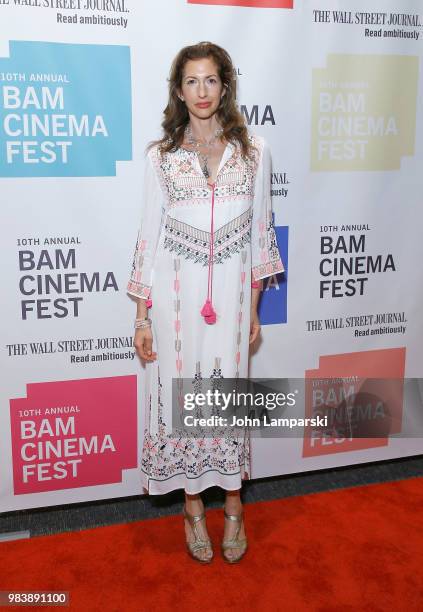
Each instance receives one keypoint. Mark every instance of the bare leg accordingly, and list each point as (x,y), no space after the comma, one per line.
(233,505)
(194,506)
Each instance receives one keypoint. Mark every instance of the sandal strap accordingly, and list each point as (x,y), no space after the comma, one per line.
(193,518)
(234,543)
(234,517)
(198,543)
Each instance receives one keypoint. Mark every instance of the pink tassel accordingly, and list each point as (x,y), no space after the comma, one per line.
(210,320)
(207,308)
(149,303)
(208,312)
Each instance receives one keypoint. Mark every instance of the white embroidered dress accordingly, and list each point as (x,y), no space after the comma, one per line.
(170,267)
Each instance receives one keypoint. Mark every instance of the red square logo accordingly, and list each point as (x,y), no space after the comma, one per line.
(74,433)
(365,394)
(289,4)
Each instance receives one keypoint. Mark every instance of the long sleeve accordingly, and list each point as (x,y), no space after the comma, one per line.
(265,258)
(152,215)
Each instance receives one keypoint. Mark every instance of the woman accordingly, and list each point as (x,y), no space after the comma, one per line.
(206,235)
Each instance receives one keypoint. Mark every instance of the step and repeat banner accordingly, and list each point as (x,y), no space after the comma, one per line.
(336,89)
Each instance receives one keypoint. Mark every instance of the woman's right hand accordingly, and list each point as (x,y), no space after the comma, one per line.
(143,342)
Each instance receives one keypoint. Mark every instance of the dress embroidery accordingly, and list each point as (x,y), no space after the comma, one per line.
(164,457)
(194,243)
(240,313)
(269,252)
(184,183)
(135,285)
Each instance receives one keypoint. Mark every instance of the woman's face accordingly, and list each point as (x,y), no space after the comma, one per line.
(201,87)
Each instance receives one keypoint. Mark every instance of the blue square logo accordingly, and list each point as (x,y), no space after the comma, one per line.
(67,111)
(273,301)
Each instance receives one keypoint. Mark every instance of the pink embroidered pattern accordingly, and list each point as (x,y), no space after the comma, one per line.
(177,326)
(269,252)
(183,183)
(164,457)
(241,301)
(139,289)
(135,286)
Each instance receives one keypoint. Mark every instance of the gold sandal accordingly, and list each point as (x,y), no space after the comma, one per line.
(235,542)
(198,544)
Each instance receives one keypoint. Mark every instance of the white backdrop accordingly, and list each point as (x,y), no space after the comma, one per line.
(334,87)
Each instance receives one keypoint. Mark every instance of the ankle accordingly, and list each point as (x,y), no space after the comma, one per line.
(194,504)
(233,506)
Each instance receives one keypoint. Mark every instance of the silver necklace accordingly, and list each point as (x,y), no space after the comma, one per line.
(204,157)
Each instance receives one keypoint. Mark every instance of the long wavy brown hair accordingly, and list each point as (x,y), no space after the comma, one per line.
(176,116)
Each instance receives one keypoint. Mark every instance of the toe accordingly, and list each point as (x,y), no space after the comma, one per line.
(204,554)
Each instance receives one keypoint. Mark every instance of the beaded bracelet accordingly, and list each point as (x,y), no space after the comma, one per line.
(141,323)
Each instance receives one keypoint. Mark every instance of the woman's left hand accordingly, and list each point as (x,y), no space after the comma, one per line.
(254,325)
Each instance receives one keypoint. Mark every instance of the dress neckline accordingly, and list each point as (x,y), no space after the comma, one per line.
(226,155)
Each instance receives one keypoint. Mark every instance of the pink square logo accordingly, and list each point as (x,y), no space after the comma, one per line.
(361,394)
(286,4)
(74,433)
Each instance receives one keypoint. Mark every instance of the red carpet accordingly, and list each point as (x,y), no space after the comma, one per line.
(357,549)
